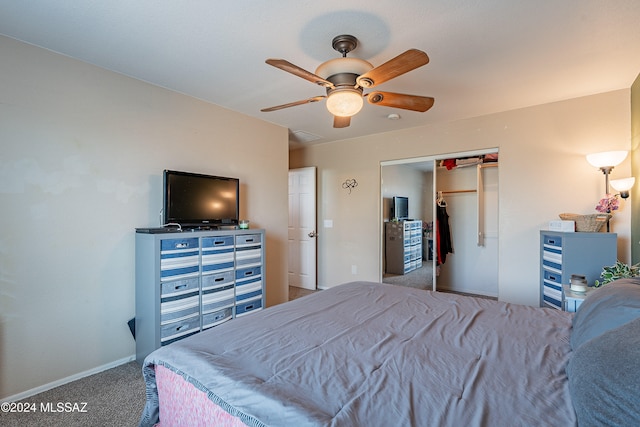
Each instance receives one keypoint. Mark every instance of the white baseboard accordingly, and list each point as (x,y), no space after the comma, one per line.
(66,380)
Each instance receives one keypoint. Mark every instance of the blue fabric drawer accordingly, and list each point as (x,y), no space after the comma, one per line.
(552,241)
(216,318)
(217,280)
(552,278)
(248,250)
(217,253)
(178,330)
(245,274)
(179,258)
(248,307)
(190,243)
(179,287)
(217,242)
(248,240)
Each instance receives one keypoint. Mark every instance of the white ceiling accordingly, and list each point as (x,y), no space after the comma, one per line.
(486,56)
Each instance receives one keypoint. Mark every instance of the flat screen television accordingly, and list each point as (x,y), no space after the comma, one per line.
(400,207)
(197,200)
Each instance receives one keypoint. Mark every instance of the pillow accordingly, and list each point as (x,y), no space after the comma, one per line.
(606,308)
(604,379)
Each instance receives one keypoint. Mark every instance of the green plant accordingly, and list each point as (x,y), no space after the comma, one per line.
(618,271)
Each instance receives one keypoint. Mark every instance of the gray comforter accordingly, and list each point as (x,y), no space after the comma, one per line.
(369,354)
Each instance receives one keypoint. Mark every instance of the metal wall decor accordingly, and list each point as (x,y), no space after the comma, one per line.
(350,184)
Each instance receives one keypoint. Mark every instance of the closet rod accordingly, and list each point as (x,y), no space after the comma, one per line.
(457,191)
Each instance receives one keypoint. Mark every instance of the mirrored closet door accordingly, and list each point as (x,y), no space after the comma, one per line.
(454,199)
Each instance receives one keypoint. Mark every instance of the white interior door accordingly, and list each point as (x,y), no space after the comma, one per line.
(302,228)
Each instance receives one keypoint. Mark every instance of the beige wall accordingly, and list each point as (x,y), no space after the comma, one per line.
(83,151)
(542,173)
(402,180)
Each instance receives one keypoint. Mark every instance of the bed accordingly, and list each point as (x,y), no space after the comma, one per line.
(371,354)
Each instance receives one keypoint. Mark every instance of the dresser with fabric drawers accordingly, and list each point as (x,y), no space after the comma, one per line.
(190,281)
(565,253)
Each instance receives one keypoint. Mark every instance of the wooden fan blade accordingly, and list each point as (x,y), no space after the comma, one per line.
(405,62)
(400,100)
(341,122)
(293,104)
(297,71)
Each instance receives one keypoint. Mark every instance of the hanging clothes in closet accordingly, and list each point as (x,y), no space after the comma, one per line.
(444,242)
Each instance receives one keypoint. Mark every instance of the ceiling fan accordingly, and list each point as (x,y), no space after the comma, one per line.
(346,78)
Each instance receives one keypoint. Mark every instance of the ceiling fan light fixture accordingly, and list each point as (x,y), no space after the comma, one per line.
(344,79)
(343,65)
(345,102)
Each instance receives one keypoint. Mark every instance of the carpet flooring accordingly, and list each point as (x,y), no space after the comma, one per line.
(114,397)
(420,278)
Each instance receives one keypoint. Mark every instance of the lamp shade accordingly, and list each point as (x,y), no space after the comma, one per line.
(623,184)
(344,103)
(607,158)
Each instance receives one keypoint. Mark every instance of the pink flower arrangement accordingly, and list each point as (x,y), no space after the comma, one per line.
(608,204)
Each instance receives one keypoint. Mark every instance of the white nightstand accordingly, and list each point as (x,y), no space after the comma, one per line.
(571,300)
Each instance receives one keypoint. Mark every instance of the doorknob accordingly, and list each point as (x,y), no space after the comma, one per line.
(313,234)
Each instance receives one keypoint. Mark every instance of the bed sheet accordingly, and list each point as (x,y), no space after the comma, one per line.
(367,354)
